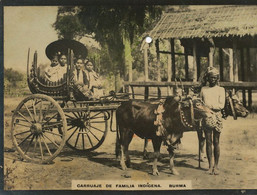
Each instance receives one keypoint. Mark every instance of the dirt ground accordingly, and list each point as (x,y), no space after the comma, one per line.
(238,161)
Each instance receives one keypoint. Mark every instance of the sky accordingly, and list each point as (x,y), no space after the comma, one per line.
(24,28)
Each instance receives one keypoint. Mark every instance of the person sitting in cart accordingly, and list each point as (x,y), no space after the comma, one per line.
(93,79)
(80,83)
(85,81)
(56,70)
(63,62)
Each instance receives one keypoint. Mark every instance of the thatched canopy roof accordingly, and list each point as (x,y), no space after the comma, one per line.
(222,21)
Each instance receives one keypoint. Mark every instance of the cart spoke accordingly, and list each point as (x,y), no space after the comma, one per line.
(29,144)
(35,145)
(53,133)
(97,121)
(92,117)
(75,115)
(24,117)
(21,133)
(72,133)
(97,118)
(41,149)
(22,125)
(53,125)
(30,114)
(25,139)
(71,117)
(47,121)
(46,146)
(40,112)
(83,140)
(94,135)
(34,108)
(90,140)
(51,141)
(96,128)
(70,128)
(77,139)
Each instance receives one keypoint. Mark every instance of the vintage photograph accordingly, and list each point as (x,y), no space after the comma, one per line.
(130,97)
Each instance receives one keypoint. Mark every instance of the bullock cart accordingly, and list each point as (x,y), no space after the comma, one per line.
(44,122)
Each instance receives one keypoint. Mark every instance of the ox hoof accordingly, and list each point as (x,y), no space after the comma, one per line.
(174,172)
(156,172)
(216,171)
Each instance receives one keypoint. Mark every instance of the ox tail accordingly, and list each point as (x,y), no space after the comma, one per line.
(118,145)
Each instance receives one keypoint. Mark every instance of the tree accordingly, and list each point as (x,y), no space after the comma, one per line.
(12,76)
(114,27)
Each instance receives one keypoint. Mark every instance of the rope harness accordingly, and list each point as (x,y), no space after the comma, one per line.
(183,119)
(161,131)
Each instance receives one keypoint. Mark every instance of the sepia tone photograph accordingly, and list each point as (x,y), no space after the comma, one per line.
(130,97)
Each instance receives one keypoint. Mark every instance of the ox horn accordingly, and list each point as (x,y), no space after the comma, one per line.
(233,91)
(182,86)
(176,84)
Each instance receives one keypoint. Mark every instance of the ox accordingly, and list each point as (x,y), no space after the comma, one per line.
(137,117)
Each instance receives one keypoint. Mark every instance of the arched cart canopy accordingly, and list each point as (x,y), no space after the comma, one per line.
(62,46)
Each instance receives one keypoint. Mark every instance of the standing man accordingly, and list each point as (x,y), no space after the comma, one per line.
(214,97)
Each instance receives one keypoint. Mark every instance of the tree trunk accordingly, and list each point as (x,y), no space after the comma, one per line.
(128,60)
(117,81)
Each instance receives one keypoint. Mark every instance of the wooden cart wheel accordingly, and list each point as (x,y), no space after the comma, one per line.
(39,128)
(86,130)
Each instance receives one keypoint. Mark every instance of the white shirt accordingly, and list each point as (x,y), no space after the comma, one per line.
(213,97)
(56,73)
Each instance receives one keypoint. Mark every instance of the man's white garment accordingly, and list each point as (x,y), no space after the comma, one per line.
(213,97)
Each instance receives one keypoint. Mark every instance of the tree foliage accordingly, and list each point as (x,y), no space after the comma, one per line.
(12,76)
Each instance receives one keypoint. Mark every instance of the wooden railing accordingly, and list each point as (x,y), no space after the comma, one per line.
(244,86)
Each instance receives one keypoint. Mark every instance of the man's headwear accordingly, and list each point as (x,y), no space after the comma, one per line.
(211,71)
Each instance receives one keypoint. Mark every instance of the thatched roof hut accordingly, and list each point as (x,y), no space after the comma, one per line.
(223,21)
(225,30)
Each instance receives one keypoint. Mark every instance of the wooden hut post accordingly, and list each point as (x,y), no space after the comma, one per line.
(231,65)
(186,65)
(221,64)
(158,66)
(158,60)
(169,68)
(146,70)
(243,75)
(173,68)
(249,77)
(194,62)
(235,61)
(211,58)
(146,63)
